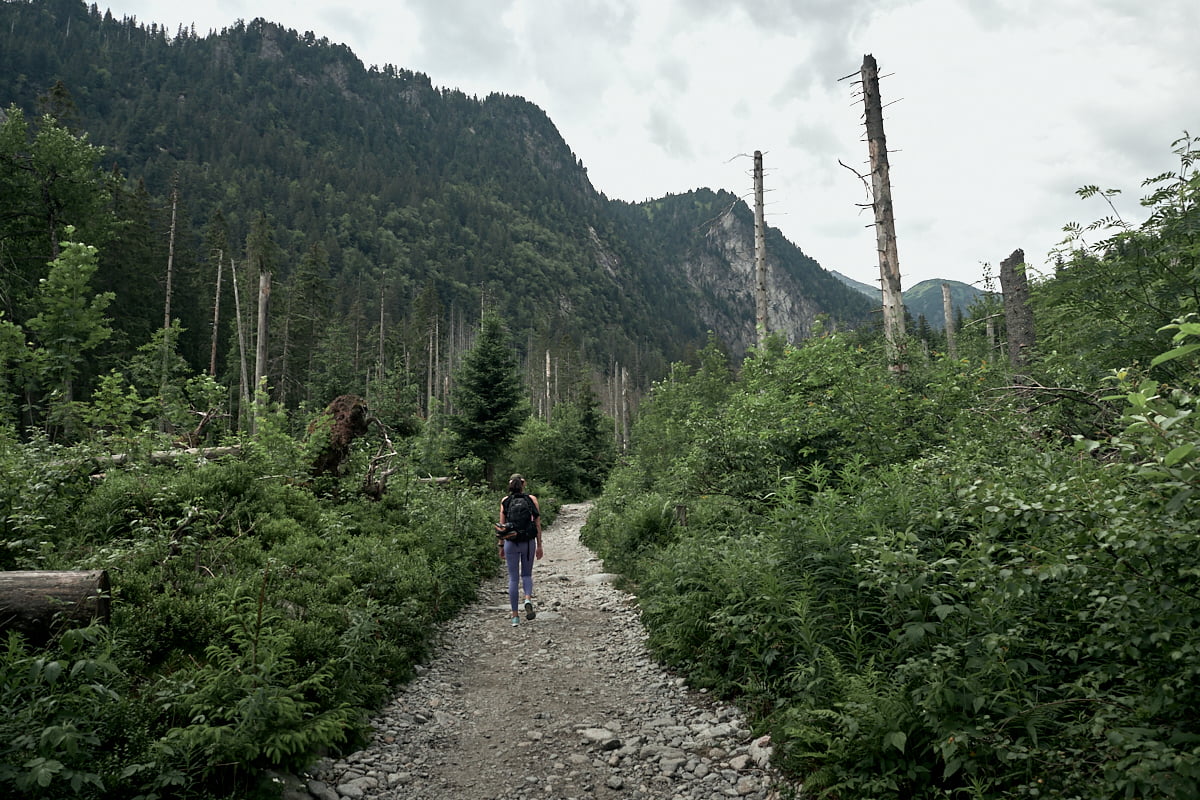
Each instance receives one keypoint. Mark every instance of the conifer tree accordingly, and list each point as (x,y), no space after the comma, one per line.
(489,403)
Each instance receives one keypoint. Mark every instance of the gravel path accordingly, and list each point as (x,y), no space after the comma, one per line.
(568,705)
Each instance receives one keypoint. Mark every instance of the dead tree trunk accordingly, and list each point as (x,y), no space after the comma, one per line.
(430,382)
(614,398)
(885,224)
(43,604)
(169,456)
(260,349)
(166,310)
(382,340)
(244,405)
(170,260)
(216,323)
(1018,315)
(760,252)
(548,396)
(624,410)
(170,280)
(948,315)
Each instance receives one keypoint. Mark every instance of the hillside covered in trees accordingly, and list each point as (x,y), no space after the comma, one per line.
(386,210)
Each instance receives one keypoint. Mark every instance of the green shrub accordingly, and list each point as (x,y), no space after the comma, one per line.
(249,705)
(254,624)
(624,530)
(53,704)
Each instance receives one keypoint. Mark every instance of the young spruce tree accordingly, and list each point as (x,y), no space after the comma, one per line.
(489,404)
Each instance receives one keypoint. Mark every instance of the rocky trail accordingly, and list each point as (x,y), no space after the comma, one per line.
(567,705)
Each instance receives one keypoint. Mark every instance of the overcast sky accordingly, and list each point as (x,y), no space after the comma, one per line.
(999,109)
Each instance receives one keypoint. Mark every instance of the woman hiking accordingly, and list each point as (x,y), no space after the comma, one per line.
(520,532)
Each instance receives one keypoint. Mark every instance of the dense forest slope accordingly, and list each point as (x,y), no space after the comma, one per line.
(395,202)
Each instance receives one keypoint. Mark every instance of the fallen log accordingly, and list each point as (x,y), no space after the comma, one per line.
(168,456)
(42,604)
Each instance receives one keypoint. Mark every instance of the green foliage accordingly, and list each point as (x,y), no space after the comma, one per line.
(275,449)
(574,451)
(489,406)
(628,526)
(69,324)
(185,405)
(936,585)
(41,485)
(14,367)
(54,706)
(49,180)
(680,410)
(953,623)
(248,705)
(254,624)
(1109,298)
(715,605)
(116,410)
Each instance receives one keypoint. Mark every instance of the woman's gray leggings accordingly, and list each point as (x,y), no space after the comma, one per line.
(519,556)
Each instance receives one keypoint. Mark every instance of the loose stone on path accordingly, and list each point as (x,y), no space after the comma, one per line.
(567,706)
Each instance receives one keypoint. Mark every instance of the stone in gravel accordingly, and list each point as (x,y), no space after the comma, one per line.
(656,752)
(760,751)
(615,782)
(670,766)
(718,731)
(746,785)
(596,735)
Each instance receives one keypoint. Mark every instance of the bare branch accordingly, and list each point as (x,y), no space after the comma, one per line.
(865,181)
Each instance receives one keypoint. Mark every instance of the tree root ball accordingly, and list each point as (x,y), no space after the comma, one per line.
(350,421)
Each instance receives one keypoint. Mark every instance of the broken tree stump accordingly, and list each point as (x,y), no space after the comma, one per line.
(1018,309)
(42,604)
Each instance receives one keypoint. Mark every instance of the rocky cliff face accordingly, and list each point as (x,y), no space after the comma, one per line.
(721,271)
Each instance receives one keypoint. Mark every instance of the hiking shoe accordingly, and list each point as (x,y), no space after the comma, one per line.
(530,613)
(516,621)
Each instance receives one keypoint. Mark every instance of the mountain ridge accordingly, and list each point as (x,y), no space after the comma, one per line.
(924,299)
(408,190)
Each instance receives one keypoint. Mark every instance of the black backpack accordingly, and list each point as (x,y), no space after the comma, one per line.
(520,513)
